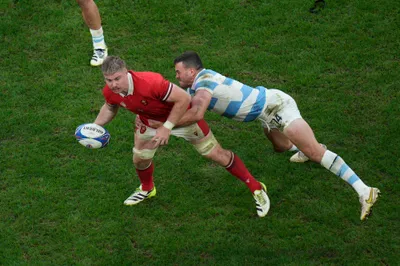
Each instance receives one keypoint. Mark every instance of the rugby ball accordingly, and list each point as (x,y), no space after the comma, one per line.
(92,136)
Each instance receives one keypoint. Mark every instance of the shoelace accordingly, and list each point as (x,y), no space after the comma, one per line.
(260,198)
(98,53)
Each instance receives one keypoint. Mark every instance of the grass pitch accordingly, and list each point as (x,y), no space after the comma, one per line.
(61,204)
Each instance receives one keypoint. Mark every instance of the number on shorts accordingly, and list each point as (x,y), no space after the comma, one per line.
(277,119)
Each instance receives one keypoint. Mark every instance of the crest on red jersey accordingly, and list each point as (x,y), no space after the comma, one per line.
(144,102)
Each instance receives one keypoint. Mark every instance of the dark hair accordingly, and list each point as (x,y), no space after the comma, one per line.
(190,59)
(112,64)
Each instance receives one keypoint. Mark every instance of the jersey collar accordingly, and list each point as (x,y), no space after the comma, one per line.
(131,85)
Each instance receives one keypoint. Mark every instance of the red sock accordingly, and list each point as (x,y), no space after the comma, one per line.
(237,168)
(146,177)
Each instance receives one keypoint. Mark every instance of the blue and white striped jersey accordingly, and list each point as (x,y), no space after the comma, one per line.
(230,98)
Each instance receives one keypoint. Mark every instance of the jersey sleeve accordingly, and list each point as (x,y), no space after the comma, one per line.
(161,88)
(205,84)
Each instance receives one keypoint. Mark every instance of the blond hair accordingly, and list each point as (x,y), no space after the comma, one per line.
(112,65)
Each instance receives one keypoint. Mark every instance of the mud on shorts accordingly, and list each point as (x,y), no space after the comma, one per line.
(281,109)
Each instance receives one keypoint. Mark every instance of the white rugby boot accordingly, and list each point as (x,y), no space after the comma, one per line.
(262,201)
(139,195)
(367,201)
(99,55)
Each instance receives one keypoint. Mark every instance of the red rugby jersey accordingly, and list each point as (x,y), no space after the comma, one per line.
(146,98)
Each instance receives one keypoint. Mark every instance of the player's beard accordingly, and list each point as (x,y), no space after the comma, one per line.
(184,85)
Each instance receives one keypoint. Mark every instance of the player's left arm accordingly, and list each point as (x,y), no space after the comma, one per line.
(200,101)
(106,114)
(181,102)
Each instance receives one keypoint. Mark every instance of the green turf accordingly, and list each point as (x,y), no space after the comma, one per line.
(61,204)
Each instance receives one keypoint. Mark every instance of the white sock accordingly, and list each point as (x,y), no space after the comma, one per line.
(293,148)
(337,165)
(98,38)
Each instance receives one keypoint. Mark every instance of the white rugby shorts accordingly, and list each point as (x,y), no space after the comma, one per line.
(190,133)
(281,109)
(198,134)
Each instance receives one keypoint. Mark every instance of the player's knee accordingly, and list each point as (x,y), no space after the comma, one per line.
(217,150)
(142,157)
(207,146)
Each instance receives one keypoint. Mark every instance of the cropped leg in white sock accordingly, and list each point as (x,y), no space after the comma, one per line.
(337,165)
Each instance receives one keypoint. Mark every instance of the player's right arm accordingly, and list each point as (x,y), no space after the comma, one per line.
(199,103)
(106,114)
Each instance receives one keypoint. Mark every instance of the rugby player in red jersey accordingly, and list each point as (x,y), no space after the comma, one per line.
(150,96)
